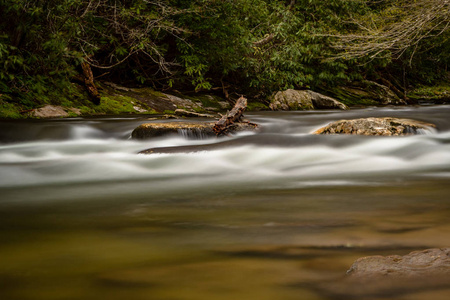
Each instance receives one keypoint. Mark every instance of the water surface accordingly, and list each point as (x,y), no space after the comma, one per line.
(277,215)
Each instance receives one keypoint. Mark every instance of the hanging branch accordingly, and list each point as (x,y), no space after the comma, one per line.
(422,19)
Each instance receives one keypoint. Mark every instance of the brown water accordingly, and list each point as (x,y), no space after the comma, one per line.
(278,215)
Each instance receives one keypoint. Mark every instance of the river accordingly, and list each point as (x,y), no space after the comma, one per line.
(279,214)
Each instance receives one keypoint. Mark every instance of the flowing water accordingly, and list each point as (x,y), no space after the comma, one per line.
(279,214)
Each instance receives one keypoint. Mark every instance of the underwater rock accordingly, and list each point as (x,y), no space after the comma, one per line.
(429,262)
(373,277)
(376,126)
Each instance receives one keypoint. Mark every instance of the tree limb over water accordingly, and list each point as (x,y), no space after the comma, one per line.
(403,25)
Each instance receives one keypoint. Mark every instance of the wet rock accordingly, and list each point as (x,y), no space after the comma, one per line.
(303,100)
(187,129)
(376,126)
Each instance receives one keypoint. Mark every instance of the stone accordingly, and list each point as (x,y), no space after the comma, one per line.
(376,126)
(430,262)
(291,100)
(192,130)
(324,102)
(373,277)
(49,111)
(303,100)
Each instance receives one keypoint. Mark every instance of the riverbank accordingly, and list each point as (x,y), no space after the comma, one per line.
(120,100)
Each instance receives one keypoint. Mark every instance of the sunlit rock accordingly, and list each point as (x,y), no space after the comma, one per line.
(192,130)
(303,100)
(377,126)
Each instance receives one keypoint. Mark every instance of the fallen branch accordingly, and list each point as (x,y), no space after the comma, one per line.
(234,116)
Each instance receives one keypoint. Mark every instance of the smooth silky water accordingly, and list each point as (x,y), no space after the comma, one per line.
(275,215)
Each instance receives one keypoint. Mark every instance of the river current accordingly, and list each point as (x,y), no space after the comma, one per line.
(278,214)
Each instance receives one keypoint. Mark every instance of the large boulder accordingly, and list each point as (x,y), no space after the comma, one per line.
(186,129)
(303,100)
(376,126)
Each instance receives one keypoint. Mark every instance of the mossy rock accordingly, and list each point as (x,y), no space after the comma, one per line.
(364,93)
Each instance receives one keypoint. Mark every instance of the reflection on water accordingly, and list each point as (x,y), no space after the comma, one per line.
(277,215)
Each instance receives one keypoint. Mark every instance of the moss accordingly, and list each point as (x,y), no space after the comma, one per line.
(350,96)
(434,93)
(9,111)
(256,106)
(114,105)
(150,91)
(207,100)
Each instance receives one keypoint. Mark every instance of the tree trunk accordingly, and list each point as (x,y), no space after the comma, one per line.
(89,82)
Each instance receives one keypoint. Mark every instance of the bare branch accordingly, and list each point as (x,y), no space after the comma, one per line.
(419,20)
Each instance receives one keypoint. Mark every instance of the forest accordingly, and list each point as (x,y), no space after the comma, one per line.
(228,47)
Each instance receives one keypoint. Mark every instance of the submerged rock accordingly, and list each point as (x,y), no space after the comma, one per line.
(377,276)
(187,129)
(376,126)
(303,100)
(431,262)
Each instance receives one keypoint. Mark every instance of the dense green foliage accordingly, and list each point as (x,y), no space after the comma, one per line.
(243,46)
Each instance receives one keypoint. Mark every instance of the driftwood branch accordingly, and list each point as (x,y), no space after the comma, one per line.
(234,116)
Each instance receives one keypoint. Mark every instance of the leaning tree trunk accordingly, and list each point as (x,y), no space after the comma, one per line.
(234,116)
(89,82)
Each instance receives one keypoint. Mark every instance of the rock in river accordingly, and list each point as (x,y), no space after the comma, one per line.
(376,126)
(303,100)
(188,129)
